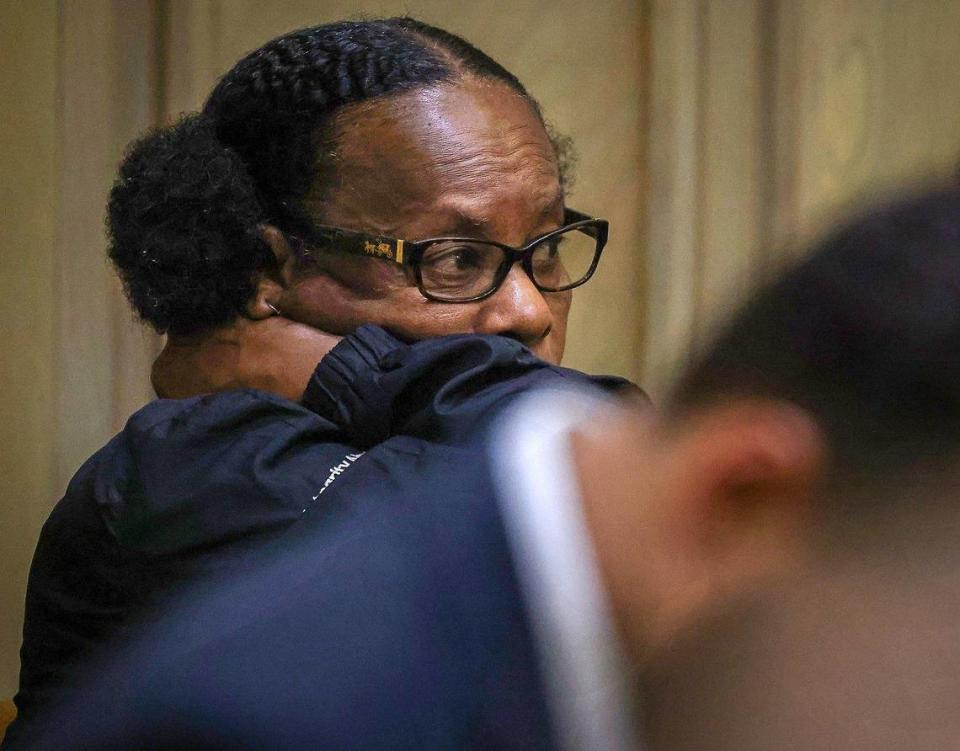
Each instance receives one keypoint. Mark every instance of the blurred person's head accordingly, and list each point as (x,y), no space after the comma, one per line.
(318,151)
(782,543)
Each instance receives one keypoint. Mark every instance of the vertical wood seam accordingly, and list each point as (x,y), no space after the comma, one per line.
(766,166)
(702,173)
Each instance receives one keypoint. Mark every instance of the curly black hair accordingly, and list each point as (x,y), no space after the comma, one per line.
(183,216)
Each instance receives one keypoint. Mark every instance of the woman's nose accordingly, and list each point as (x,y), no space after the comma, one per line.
(518,310)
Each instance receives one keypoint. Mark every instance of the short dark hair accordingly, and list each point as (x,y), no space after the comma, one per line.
(183,216)
(864,335)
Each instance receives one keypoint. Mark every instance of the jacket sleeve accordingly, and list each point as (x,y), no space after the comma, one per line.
(190,474)
(373,386)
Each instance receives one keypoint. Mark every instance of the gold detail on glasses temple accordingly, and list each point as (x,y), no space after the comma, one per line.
(380,250)
(399,258)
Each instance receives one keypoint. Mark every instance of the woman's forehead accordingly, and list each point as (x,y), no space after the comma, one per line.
(451,130)
(466,151)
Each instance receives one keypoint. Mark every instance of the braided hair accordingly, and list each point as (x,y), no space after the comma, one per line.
(184,215)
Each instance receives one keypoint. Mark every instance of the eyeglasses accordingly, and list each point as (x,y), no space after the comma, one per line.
(463,269)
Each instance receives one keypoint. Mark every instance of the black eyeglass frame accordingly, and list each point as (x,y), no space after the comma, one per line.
(410,252)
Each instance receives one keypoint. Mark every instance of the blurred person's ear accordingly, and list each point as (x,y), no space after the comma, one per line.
(741,476)
(273,280)
(687,513)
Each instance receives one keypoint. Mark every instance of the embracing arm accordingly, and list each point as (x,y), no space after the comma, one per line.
(373,386)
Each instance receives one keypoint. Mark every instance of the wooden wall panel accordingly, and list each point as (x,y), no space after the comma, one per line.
(838,102)
(707,163)
(135,48)
(867,103)
(29,163)
(106,80)
(674,164)
(877,101)
(769,121)
(192,38)
(78,82)
(730,124)
(84,283)
(920,91)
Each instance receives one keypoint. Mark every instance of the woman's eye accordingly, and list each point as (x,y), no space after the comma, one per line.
(459,258)
(548,252)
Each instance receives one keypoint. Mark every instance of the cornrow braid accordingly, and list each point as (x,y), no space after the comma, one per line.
(183,217)
(274,106)
(462,55)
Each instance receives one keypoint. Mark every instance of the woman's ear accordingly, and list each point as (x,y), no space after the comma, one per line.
(273,280)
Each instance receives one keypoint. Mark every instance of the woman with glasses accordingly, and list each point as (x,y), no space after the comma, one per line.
(327,146)
(379,172)
(372,172)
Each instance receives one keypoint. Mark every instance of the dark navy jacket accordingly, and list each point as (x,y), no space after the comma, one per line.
(376,471)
